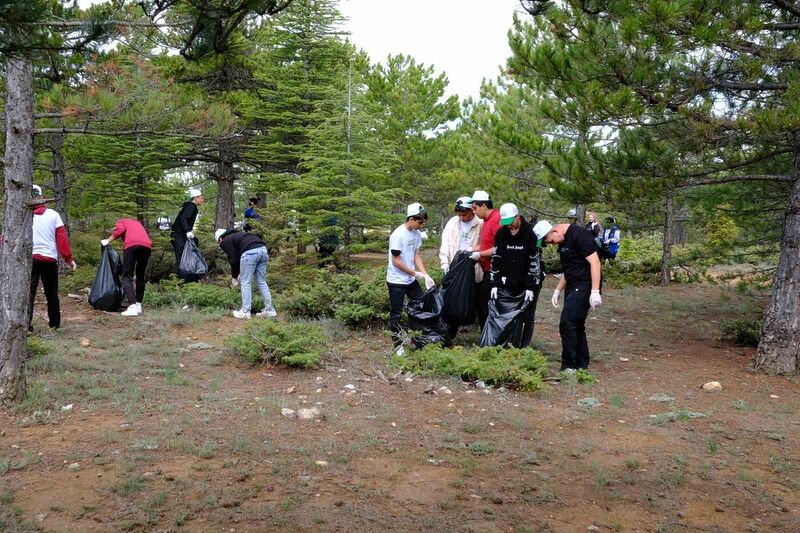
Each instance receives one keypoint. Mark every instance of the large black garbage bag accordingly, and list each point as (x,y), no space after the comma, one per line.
(458,290)
(506,322)
(193,266)
(425,315)
(106,293)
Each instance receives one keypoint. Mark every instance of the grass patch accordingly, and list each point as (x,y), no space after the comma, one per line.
(712,445)
(632,463)
(524,369)
(480,448)
(296,344)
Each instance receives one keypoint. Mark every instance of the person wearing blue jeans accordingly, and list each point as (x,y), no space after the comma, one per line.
(248,257)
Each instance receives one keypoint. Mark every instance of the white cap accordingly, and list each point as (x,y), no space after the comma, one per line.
(464,202)
(542,228)
(219,233)
(572,213)
(481,196)
(37,191)
(508,212)
(195,192)
(414,209)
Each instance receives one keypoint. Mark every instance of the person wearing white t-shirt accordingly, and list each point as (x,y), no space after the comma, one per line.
(49,241)
(405,267)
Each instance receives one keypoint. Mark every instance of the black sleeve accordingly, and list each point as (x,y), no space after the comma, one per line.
(182,220)
(534,277)
(584,243)
(396,253)
(233,258)
(496,264)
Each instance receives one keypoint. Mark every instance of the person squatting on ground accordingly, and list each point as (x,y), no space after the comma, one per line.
(517,264)
(136,250)
(49,241)
(484,209)
(184,223)
(404,268)
(461,233)
(580,285)
(248,257)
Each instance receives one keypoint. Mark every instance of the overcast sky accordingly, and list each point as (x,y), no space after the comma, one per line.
(467,39)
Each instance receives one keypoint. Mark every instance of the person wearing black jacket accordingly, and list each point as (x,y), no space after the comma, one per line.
(517,263)
(248,256)
(184,223)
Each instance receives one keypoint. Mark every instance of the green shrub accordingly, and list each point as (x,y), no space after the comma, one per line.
(171,292)
(524,369)
(82,278)
(742,331)
(294,344)
(38,347)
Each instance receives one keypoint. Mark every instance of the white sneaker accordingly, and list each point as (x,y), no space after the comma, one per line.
(242,314)
(267,313)
(139,306)
(132,310)
(400,351)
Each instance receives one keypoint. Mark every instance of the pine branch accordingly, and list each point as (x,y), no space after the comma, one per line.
(119,133)
(731,179)
(741,86)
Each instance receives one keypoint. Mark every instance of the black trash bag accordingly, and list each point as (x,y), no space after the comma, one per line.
(425,315)
(193,266)
(458,290)
(505,324)
(106,293)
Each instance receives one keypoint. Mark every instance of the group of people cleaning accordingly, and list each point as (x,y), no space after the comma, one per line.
(507,251)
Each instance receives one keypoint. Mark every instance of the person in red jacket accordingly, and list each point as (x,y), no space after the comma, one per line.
(484,209)
(49,241)
(136,250)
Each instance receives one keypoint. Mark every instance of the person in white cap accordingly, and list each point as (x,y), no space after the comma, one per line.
(461,233)
(49,241)
(248,257)
(580,286)
(517,264)
(484,208)
(405,268)
(184,224)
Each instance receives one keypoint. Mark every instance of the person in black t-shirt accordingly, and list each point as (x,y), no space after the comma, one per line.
(580,285)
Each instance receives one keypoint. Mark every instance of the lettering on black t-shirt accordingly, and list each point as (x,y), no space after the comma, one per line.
(577,246)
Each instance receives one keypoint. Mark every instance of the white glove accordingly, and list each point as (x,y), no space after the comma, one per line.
(493,293)
(189,235)
(528,296)
(554,299)
(429,283)
(595,299)
(469,249)
(73,266)
(419,275)
(445,268)
(104,242)
(475,256)
(234,282)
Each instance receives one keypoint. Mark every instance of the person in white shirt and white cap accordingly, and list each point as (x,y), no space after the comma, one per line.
(405,267)
(184,224)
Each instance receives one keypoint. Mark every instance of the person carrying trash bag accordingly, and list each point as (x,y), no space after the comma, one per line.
(106,293)
(516,269)
(404,268)
(426,315)
(136,250)
(182,228)
(248,257)
(580,286)
(49,241)
(483,207)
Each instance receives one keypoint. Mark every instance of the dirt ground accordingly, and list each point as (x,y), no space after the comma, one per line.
(167,431)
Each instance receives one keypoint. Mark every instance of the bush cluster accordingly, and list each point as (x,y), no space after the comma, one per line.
(173,292)
(742,331)
(357,300)
(519,368)
(292,344)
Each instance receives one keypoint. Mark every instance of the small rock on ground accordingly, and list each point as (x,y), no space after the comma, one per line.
(589,402)
(288,413)
(199,346)
(308,414)
(712,386)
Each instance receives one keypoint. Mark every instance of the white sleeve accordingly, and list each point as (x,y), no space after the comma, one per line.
(395,242)
(57,219)
(443,256)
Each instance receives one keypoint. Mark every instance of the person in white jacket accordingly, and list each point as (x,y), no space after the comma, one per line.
(461,233)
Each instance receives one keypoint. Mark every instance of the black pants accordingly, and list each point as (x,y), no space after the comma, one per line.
(453,331)
(529,316)
(397,296)
(484,290)
(574,346)
(177,245)
(47,271)
(134,262)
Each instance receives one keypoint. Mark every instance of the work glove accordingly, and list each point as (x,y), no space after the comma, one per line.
(189,235)
(419,275)
(469,249)
(493,293)
(234,282)
(445,268)
(595,299)
(554,299)
(475,256)
(528,296)
(429,283)
(73,266)
(104,242)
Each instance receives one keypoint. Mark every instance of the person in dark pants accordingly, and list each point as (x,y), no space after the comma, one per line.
(136,252)
(184,223)
(405,267)
(49,241)
(517,264)
(484,209)
(580,285)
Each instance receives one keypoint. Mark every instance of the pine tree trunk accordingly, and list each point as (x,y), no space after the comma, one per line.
(779,349)
(15,259)
(347,241)
(59,172)
(666,250)
(225,177)
(141,186)
(580,214)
